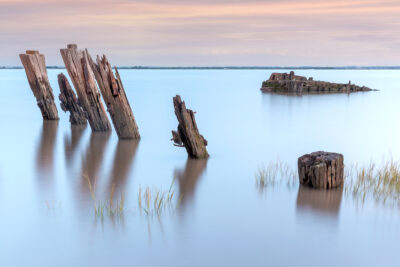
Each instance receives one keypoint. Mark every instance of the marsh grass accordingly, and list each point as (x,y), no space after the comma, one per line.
(381,183)
(275,174)
(156,201)
(107,208)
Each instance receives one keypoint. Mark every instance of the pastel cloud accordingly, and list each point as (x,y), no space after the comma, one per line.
(288,32)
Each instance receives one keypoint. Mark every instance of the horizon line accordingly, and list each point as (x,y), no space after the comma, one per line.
(239,67)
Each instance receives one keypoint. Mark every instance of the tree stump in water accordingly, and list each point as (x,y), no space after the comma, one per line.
(35,68)
(188,132)
(321,170)
(69,102)
(78,67)
(115,98)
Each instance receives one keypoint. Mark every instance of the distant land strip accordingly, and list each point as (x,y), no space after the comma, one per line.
(237,68)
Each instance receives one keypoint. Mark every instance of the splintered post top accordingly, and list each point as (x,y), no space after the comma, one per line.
(32,52)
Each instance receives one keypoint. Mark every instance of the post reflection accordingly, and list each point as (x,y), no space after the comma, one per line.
(45,149)
(320,202)
(123,159)
(92,161)
(71,142)
(188,179)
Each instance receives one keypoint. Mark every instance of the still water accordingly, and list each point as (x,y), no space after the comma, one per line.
(220,218)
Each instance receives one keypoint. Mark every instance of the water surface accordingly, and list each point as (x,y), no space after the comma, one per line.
(223,218)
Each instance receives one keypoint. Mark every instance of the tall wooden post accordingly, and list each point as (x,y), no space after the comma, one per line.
(115,98)
(35,68)
(78,67)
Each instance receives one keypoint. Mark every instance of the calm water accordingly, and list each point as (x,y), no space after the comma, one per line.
(47,215)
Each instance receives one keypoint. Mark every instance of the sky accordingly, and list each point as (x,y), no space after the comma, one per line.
(206,32)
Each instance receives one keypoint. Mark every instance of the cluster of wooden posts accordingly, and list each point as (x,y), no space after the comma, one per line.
(90,78)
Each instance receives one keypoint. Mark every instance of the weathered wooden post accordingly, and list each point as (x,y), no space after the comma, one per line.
(323,170)
(115,98)
(35,68)
(69,102)
(78,67)
(188,134)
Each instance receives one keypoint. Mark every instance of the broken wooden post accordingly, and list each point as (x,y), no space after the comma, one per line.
(78,67)
(115,98)
(69,102)
(323,170)
(35,68)
(188,135)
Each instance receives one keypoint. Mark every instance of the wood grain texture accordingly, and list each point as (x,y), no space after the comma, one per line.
(322,170)
(35,69)
(77,63)
(189,134)
(115,98)
(69,102)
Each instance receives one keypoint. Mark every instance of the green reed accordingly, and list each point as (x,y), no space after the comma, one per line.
(108,208)
(155,201)
(381,183)
(274,174)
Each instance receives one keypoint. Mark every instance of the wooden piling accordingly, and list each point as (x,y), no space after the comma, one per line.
(115,98)
(322,170)
(69,102)
(35,68)
(78,67)
(189,134)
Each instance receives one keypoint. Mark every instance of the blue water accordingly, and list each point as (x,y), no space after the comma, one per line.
(47,214)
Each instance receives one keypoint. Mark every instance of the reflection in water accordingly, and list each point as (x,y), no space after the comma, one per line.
(45,149)
(71,142)
(188,179)
(93,158)
(123,159)
(320,202)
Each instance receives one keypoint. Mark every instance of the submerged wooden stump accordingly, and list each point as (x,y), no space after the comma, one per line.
(69,102)
(323,170)
(81,73)
(188,134)
(115,98)
(35,68)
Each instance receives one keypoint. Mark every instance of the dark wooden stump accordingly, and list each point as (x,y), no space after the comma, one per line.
(35,68)
(189,135)
(69,102)
(115,98)
(81,73)
(321,170)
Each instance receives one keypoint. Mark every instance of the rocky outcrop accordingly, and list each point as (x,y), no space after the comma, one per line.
(322,170)
(291,83)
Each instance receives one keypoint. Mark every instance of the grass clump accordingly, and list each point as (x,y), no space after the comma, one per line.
(382,183)
(107,208)
(155,201)
(274,174)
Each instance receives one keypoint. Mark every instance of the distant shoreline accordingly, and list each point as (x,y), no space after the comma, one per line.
(236,68)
